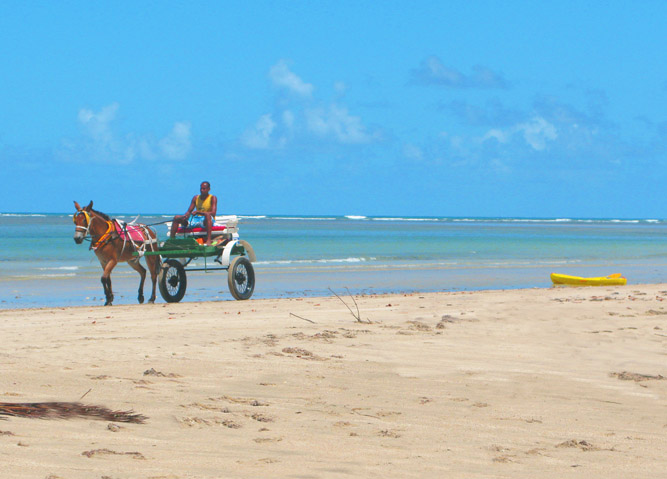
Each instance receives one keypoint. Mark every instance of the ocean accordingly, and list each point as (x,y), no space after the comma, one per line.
(41,266)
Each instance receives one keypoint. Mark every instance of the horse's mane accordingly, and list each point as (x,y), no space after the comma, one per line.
(103,215)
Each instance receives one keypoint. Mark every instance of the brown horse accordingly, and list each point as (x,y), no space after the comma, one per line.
(114,242)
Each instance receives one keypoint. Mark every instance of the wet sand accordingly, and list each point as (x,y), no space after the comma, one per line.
(551,383)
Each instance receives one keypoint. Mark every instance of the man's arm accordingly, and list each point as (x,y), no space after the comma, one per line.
(214,206)
(182,220)
(193,204)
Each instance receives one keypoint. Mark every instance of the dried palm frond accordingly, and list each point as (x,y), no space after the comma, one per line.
(66,410)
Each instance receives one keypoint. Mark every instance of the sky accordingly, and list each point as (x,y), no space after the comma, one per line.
(393,108)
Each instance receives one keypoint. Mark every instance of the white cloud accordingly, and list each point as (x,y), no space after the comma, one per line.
(536,132)
(432,71)
(101,142)
(498,135)
(337,123)
(259,136)
(176,145)
(282,77)
(98,125)
(302,118)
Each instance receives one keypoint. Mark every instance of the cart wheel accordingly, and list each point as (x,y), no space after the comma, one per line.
(241,278)
(172,281)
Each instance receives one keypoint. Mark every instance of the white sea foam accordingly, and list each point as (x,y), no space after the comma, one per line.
(551,220)
(557,261)
(355,217)
(25,215)
(59,268)
(533,220)
(56,275)
(315,261)
(405,219)
(304,218)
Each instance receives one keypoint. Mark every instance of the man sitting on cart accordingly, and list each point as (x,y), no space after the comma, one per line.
(200,214)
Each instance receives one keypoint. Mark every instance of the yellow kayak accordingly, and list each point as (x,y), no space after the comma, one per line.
(611,280)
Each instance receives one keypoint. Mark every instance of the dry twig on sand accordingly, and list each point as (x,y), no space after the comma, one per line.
(356,316)
(66,410)
(305,319)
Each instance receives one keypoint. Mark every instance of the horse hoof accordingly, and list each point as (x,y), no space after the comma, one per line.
(141,300)
(151,301)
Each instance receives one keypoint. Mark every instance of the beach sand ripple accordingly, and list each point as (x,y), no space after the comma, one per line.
(560,382)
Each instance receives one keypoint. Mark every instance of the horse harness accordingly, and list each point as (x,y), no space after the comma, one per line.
(121,227)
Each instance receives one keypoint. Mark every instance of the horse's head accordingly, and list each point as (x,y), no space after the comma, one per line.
(82,222)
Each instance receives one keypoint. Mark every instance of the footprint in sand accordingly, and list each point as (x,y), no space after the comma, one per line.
(636,377)
(304,354)
(583,445)
(418,326)
(261,440)
(107,452)
(153,372)
(261,418)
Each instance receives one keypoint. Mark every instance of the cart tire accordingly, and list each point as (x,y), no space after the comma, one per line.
(241,278)
(172,281)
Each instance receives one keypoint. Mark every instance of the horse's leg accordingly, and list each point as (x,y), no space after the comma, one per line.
(106,280)
(142,272)
(103,263)
(153,263)
(106,284)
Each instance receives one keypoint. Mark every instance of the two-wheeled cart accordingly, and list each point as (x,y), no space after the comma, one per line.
(227,252)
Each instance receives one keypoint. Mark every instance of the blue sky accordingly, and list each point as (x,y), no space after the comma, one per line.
(536,109)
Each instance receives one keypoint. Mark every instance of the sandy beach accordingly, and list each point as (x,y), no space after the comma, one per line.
(550,383)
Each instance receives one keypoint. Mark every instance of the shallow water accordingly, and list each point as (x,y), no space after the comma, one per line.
(40,265)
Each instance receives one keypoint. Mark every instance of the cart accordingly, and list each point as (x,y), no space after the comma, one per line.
(227,252)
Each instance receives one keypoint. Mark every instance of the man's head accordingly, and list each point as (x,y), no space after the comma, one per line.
(205,187)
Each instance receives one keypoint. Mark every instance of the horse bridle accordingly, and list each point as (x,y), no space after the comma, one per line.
(103,239)
(85,229)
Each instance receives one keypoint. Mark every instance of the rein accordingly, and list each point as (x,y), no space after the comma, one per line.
(158,223)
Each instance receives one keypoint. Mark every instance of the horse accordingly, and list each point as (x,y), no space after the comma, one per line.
(114,242)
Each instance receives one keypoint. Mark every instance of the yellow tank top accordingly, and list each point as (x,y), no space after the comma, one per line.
(204,206)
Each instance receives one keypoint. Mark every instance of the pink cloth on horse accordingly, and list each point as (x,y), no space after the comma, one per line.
(134,232)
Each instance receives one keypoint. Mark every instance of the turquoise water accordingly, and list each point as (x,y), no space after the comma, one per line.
(40,265)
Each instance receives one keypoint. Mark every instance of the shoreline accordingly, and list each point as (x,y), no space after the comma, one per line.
(493,383)
(324,296)
(286,283)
